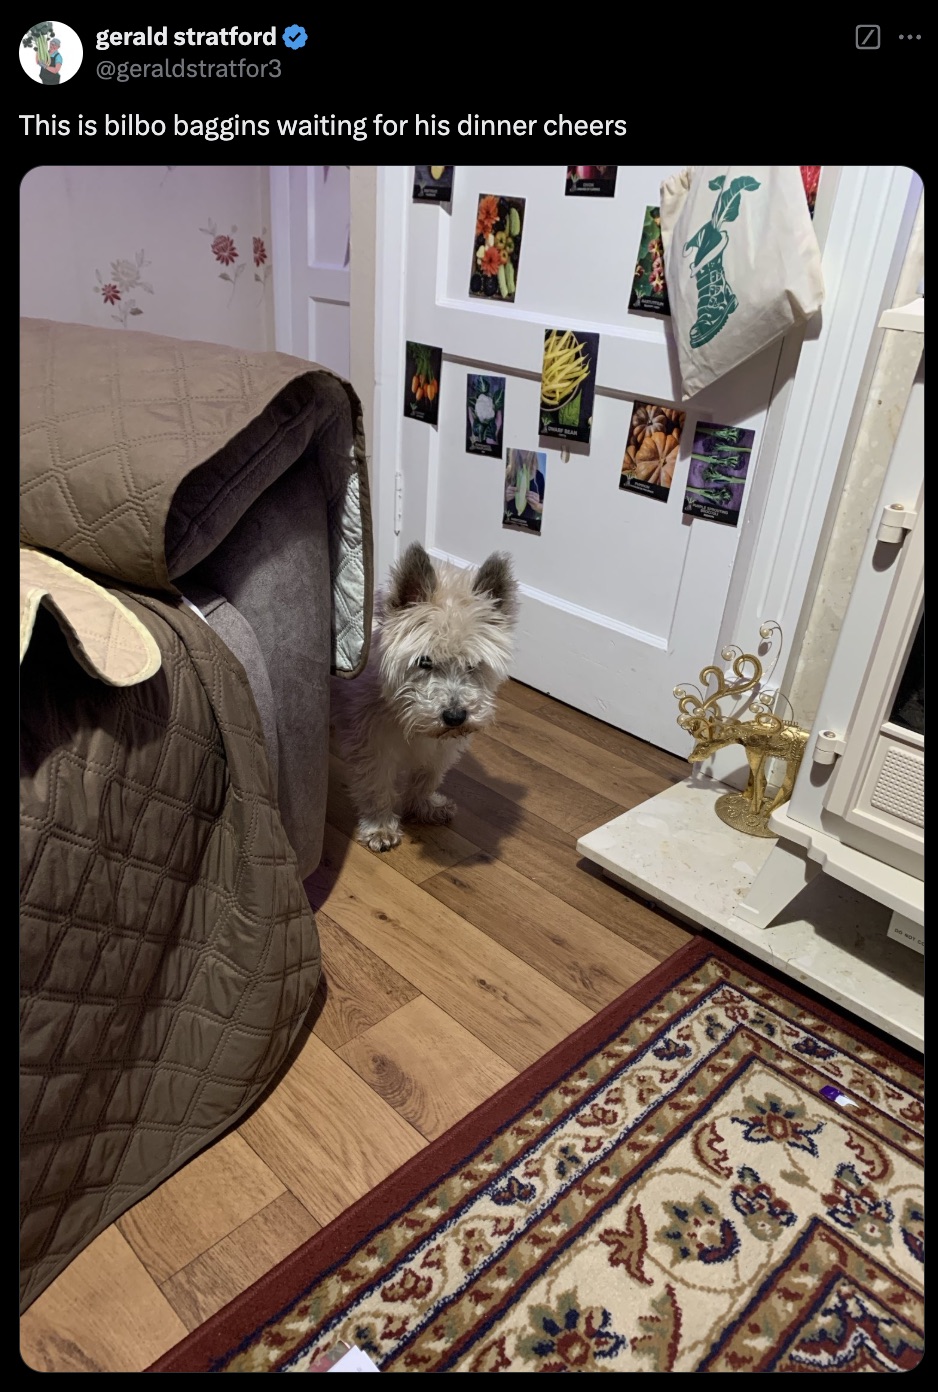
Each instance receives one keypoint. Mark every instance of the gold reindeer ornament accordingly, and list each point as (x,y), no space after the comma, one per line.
(764,738)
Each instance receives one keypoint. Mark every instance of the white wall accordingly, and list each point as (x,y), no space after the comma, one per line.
(149,230)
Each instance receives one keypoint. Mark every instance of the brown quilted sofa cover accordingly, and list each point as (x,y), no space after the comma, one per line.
(168,954)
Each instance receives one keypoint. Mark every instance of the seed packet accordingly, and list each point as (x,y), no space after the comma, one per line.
(422,382)
(433,183)
(810,177)
(523,498)
(497,248)
(652,449)
(649,291)
(568,384)
(485,412)
(716,478)
(592,180)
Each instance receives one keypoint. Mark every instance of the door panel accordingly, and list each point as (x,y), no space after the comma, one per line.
(623,596)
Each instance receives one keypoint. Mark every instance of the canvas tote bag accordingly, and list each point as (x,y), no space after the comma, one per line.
(741,263)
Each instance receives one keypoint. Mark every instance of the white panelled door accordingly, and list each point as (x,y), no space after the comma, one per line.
(310,224)
(623,596)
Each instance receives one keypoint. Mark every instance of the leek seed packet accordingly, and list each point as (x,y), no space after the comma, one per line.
(719,465)
(652,449)
(433,183)
(497,248)
(485,413)
(649,291)
(422,382)
(593,180)
(568,384)
(525,478)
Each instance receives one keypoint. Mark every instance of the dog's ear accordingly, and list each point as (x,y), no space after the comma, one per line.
(494,577)
(413,579)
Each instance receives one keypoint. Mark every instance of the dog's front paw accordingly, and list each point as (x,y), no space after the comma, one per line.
(436,810)
(380,836)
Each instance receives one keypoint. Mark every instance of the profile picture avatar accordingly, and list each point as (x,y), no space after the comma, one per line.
(50,52)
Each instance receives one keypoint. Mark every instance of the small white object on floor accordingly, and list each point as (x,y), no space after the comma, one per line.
(355,1361)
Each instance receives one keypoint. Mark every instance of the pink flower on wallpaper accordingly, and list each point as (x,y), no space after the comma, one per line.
(226,254)
(126,275)
(224,250)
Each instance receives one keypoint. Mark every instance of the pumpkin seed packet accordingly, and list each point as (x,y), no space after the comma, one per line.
(496,248)
(422,382)
(649,291)
(485,413)
(433,183)
(716,478)
(525,478)
(568,384)
(594,180)
(652,449)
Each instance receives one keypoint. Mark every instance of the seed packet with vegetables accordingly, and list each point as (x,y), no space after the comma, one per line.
(810,177)
(523,497)
(422,382)
(568,384)
(649,291)
(719,465)
(597,180)
(497,247)
(485,412)
(652,449)
(433,183)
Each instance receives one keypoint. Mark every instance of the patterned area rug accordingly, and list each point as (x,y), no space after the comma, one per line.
(714,1174)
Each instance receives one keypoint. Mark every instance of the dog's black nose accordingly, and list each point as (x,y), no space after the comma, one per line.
(454,717)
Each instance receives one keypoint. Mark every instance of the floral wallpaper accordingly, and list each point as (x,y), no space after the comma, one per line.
(173,249)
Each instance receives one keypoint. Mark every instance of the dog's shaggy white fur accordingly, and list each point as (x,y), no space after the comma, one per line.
(441,649)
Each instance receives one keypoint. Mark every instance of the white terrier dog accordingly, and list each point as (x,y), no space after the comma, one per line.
(442,648)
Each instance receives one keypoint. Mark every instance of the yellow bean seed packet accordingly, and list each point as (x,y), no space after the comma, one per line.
(523,495)
(649,291)
(496,249)
(652,449)
(568,384)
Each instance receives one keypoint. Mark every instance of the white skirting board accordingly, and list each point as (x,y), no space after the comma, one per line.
(675,851)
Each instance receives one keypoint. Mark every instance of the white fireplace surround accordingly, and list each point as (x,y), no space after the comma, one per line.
(857,811)
(837,901)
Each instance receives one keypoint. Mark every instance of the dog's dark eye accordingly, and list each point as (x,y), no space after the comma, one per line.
(470,669)
(425,663)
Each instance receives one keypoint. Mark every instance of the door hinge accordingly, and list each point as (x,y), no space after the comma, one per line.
(896,520)
(828,746)
(398,502)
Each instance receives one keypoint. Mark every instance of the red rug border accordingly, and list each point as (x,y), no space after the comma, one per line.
(276,1289)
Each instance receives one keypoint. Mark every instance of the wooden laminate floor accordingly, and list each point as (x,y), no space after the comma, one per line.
(449,965)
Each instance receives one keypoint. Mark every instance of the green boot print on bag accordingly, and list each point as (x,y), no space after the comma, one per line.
(715,298)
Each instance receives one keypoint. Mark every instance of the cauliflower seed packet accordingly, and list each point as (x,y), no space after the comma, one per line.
(485,414)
